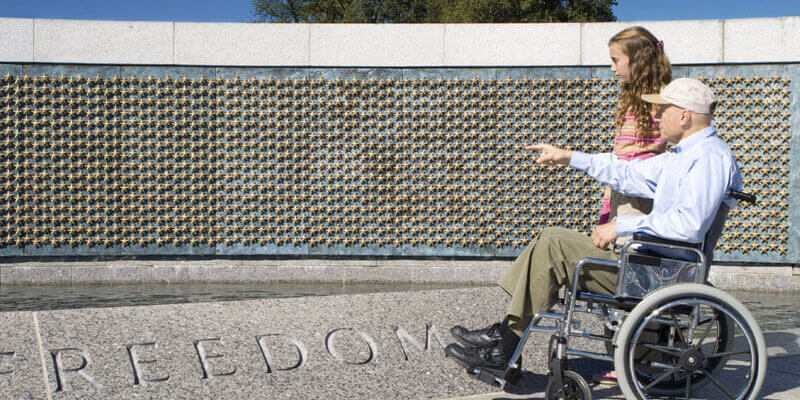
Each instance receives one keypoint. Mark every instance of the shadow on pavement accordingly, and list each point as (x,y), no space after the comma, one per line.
(787,340)
(532,385)
(783,377)
(782,381)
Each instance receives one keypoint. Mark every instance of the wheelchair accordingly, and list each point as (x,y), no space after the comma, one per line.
(668,332)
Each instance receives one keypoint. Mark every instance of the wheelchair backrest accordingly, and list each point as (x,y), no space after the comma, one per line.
(713,234)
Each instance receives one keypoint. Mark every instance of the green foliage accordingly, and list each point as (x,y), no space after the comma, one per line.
(346,11)
(433,11)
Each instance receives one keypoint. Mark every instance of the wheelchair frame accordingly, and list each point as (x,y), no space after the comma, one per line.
(728,310)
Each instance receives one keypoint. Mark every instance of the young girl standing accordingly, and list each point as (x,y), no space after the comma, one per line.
(639,62)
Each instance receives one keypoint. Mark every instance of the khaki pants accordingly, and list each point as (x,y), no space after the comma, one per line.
(547,264)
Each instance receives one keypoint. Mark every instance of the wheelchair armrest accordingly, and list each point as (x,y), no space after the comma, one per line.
(656,240)
(652,244)
(746,197)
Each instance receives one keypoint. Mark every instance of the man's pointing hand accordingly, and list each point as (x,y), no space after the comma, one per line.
(550,155)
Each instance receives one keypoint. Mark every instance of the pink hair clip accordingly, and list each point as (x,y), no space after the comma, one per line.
(660,45)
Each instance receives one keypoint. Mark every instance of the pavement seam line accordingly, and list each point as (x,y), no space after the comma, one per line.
(786,372)
(41,355)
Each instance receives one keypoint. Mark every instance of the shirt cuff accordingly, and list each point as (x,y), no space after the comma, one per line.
(579,160)
(628,224)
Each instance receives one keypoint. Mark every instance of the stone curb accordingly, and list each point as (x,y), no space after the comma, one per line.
(248,271)
(749,278)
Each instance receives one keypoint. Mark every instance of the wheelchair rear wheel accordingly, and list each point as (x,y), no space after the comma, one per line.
(719,338)
(690,340)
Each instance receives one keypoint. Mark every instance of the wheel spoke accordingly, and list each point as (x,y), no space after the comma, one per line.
(705,334)
(717,383)
(706,320)
(661,378)
(662,349)
(677,326)
(688,386)
(727,353)
(646,353)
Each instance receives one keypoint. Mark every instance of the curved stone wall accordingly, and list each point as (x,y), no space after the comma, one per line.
(119,159)
(339,162)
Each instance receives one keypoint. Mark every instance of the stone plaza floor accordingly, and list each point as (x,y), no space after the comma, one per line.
(361,346)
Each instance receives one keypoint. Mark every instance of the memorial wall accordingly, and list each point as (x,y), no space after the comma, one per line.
(326,158)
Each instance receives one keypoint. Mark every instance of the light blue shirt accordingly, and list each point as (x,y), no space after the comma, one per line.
(687,185)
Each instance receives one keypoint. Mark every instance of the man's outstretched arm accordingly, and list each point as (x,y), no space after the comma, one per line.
(637,178)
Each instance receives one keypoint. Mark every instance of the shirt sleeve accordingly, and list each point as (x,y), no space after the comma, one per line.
(636,178)
(699,195)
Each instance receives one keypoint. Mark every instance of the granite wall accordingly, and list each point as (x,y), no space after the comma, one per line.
(120,159)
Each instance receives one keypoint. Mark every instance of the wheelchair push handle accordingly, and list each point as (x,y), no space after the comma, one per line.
(746,197)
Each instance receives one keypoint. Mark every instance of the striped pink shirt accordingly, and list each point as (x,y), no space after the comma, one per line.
(631,144)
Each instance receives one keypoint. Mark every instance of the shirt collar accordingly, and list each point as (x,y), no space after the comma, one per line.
(694,139)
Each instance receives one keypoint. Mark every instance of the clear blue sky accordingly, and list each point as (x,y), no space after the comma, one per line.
(241,10)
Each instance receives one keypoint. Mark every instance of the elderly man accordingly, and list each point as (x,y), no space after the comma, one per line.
(687,184)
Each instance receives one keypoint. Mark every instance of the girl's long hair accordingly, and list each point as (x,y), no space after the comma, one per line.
(650,71)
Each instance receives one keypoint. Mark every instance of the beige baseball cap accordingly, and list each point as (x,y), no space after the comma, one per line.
(687,93)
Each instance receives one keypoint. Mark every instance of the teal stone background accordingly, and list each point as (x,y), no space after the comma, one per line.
(347,162)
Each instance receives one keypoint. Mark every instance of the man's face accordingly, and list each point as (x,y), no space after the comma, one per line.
(670,120)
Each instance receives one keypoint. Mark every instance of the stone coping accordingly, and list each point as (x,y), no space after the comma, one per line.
(778,278)
(757,40)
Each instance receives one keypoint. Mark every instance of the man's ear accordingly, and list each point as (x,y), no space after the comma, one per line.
(686,118)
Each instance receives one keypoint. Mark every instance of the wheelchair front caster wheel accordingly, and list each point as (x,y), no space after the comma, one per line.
(574,387)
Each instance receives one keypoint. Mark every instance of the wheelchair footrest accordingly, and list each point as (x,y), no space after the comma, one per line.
(495,377)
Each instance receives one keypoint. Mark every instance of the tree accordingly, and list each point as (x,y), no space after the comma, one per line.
(433,11)
(349,11)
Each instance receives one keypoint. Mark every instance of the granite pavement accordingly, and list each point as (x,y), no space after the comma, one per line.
(380,345)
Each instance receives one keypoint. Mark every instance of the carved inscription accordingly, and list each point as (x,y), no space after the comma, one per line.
(5,355)
(405,338)
(302,353)
(62,384)
(334,334)
(137,363)
(70,363)
(204,357)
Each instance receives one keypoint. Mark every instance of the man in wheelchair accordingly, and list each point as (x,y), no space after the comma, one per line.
(688,185)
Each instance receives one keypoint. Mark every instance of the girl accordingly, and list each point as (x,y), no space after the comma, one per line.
(639,62)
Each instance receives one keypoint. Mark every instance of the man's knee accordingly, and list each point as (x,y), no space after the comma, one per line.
(552,233)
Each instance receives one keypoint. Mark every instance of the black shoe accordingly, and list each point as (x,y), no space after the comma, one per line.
(489,356)
(492,356)
(488,336)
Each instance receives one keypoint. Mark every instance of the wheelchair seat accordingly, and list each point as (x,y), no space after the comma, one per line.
(622,303)
(648,263)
